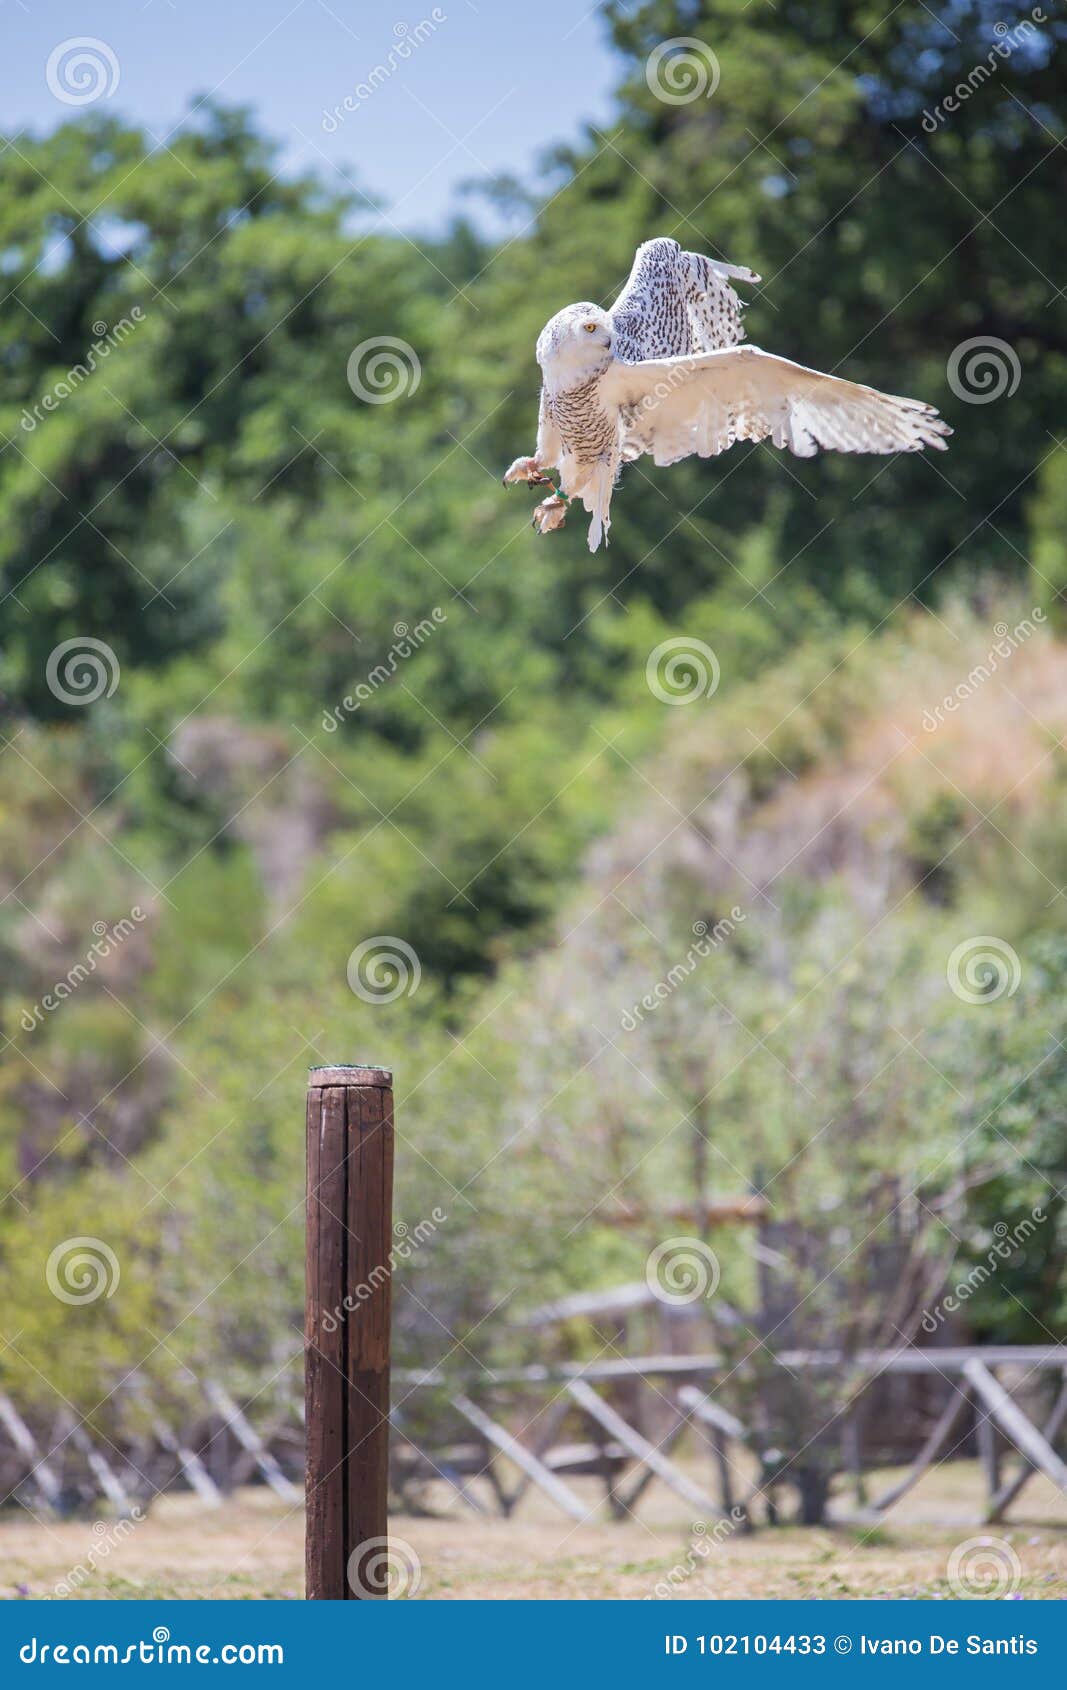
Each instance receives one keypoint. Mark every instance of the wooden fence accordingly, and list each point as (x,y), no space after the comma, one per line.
(503,1431)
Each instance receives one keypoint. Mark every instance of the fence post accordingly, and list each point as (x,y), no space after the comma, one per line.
(346,1327)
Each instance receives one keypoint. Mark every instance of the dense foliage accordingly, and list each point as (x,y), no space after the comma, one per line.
(255,544)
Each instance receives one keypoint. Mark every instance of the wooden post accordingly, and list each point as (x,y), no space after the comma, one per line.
(988,1451)
(346,1331)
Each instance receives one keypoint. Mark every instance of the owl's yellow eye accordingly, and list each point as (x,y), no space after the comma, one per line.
(590,328)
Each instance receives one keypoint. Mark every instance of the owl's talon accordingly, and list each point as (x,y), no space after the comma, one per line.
(550,514)
(528,470)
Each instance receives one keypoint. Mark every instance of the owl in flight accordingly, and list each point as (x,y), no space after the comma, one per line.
(663,372)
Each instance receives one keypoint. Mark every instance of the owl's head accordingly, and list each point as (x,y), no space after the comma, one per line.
(574,344)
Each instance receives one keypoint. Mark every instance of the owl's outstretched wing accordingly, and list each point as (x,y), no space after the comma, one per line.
(673,408)
(676,303)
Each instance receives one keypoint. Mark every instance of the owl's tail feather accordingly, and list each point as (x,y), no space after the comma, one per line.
(598,501)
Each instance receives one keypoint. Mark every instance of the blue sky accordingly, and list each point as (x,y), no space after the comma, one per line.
(486,89)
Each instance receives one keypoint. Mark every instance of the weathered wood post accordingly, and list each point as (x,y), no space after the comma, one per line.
(346,1328)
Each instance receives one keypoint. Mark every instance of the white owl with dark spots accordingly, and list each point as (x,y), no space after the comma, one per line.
(663,373)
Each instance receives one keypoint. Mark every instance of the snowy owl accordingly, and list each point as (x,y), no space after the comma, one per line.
(662,372)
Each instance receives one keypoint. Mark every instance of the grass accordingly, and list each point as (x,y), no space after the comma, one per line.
(253,1548)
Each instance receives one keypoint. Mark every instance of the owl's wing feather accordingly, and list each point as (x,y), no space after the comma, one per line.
(675,303)
(674,408)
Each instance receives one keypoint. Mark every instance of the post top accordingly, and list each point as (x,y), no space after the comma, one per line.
(354,1075)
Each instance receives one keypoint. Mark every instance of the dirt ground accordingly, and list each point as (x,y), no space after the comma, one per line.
(253,1547)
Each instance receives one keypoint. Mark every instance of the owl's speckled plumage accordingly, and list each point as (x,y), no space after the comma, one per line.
(664,372)
(677,302)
